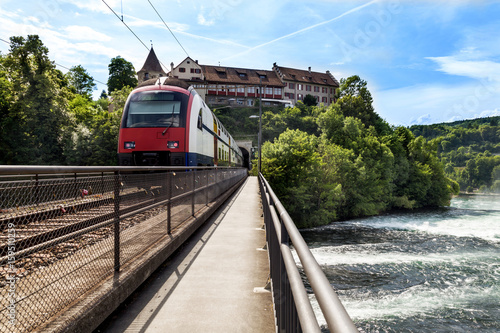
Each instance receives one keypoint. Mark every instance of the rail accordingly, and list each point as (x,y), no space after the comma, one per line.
(293,309)
(64,230)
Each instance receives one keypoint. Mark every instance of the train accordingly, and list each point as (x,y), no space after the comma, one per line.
(165,122)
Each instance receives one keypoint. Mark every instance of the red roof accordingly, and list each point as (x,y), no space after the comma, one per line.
(244,76)
(306,76)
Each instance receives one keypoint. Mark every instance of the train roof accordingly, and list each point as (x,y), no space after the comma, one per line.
(166,81)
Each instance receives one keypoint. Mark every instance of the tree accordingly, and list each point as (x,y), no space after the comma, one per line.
(355,100)
(37,116)
(310,100)
(81,81)
(121,74)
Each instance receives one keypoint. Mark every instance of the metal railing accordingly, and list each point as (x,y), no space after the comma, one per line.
(64,230)
(293,309)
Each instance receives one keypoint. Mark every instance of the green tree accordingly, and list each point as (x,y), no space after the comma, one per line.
(5,117)
(310,100)
(121,74)
(37,117)
(355,100)
(293,165)
(81,81)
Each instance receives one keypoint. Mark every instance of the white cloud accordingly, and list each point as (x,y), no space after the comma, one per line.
(435,103)
(478,69)
(488,113)
(203,21)
(95,5)
(78,32)
(137,22)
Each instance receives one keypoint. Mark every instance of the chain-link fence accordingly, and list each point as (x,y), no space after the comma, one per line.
(62,234)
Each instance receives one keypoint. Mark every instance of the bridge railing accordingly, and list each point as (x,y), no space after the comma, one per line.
(293,309)
(65,230)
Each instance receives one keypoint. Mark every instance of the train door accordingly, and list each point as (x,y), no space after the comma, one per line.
(216,152)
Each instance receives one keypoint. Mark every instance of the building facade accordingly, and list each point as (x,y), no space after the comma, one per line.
(299,83)
(240,86)
(219,85)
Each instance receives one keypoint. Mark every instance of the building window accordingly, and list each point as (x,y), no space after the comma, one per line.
(316,89)
(292,96)
(231,88)
(240,89)
(291,85)
(146,76)
(300,97)
(240,101)
(277,91)
(308,88)
(182,70)
(299,86)
(269,91)
(250,102)
(243,75)
(324,99)
(251,90)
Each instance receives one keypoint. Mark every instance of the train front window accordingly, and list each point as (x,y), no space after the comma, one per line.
(156,109)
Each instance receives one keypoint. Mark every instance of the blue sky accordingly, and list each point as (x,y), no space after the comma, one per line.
(424,61)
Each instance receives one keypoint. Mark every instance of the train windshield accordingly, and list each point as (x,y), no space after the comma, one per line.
(156,109)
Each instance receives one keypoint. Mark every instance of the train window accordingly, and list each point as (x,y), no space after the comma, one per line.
(200,120)
(156,109)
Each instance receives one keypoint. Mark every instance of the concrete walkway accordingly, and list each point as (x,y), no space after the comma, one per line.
(214,283)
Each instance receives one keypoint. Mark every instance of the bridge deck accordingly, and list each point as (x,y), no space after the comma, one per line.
(214,283)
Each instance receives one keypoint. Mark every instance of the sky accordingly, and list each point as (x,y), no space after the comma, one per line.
(424,61)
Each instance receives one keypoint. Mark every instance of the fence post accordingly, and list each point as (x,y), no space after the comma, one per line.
(169,204)
(193,195)
(116,225)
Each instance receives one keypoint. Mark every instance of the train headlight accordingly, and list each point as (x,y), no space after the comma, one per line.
(129,145)
(173,144)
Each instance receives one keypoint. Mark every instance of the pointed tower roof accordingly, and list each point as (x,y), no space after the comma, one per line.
(152,63)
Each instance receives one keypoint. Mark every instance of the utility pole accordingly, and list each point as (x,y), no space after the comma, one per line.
(260,126)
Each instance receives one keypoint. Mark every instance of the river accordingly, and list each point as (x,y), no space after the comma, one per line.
(422,271)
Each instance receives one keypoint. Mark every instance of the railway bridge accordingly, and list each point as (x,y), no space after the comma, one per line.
(202,249)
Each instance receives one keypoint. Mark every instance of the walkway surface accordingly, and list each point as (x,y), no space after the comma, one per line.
(214,283)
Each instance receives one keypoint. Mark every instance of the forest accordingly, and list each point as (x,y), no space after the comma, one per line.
(469,151)
(49,118)
(344,161)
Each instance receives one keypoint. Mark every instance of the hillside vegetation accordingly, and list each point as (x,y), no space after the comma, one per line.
(344,161)
(469,150)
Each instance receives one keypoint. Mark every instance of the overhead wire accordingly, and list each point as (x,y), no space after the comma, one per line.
(55,63)
(130,29)
(121,19)
(168,28)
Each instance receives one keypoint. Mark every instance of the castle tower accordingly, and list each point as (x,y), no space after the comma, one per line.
(152,68)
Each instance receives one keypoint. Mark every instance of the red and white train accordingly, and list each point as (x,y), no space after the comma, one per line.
(166,123)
